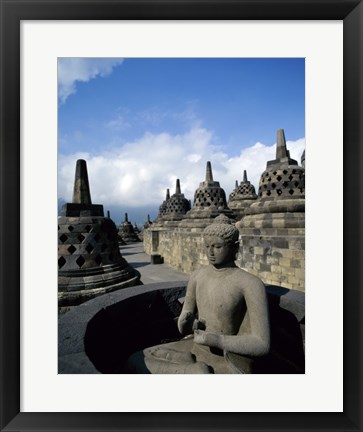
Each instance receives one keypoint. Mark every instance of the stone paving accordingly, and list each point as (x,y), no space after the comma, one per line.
(150,273)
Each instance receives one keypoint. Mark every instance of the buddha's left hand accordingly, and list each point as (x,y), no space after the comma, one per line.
(206,338)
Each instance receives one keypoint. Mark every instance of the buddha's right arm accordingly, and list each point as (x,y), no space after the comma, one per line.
(187,316)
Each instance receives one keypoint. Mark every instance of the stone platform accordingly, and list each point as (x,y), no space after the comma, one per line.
(99,335)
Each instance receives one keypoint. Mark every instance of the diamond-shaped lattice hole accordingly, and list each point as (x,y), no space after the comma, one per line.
(71,249)
(268,193)
(296,184)
(279,191)
(97,237)
(284,172)
(291,191)
(63,238)
(81,237)
(70,228)
(293,171)
(103,247)
(273,185)
(98,259)
(80,261)
(274,173)
(285,184)
(61,262)
(279,178)
(89,248)
(291,177)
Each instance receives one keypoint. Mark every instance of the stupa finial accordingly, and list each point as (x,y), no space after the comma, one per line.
(177,187)
(281,150)
(209,174)
(126,217)
(244,175)
(167,194)
(236,184)
(81,191)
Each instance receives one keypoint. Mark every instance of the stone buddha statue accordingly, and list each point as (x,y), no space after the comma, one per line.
(224,319)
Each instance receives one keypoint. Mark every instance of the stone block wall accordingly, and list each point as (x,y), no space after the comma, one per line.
(183,251)
(277,256)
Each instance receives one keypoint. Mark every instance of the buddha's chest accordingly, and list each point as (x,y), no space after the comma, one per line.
(220,305)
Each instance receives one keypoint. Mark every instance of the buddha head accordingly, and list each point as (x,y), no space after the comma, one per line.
(221,241)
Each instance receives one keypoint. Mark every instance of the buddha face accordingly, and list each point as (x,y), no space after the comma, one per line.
(219,252)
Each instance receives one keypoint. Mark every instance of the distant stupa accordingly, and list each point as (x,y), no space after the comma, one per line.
(242,196)
(209,202)
(126,231)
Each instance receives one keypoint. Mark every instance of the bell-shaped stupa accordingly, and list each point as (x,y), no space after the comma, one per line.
(273,227)
(176,207)
(126,231)
(89,260)
(162,209)
(209,202)
(242,196)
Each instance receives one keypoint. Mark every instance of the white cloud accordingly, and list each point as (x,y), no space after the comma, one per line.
(71,70)
(138,173)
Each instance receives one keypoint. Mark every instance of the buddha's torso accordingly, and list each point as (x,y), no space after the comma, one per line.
(220,299)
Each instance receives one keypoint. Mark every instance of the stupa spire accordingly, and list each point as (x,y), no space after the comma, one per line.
(209,174)
(81,190)
(281,150)
(167,194)
(126,217)
(244,175)
(236,184)
(177,187)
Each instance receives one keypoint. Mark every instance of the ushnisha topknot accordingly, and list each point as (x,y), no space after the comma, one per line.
(224,228)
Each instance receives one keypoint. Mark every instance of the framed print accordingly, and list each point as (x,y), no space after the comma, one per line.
(34,395)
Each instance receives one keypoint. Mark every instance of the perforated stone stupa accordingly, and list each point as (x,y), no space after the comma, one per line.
(126,231)
(209,202)
(162,209)
(242,196)
(273,228)
(175,208)
(89,260)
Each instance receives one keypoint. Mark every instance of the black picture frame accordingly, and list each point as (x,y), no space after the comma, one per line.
(12,12)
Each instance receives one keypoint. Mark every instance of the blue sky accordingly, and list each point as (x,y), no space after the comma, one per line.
(142,123)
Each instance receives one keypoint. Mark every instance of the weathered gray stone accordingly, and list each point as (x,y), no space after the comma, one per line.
(224,316)
(89,259)
(277,216)
(126,232)
(242,197)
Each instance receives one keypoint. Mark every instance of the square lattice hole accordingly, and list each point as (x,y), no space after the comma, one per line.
(61,262)
(80,261)
(89,248)
(63,238)
(72,249)
(70,228)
